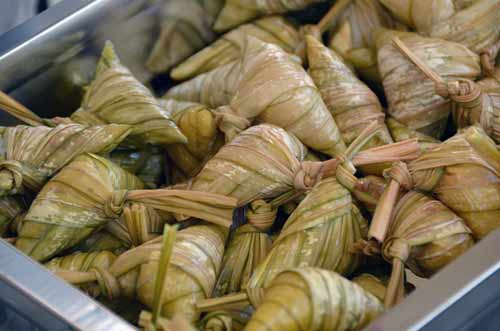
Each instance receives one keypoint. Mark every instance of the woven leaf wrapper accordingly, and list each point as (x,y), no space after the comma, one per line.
(259,163)
(468,182)
(148,164)
(411,96)
(247,248)
(31,155)
(318,233)
(248,88)
(272,29)
(226,320)
(236,12)
(400,132)
(90,192)
(186,27)
(353,105)
(462,172)
(353,36)
(116,96)
(475,27)
(191,274)
(200,125)
(425,236)
(472,103)
(10,209)
(314,299)
(424,14)
(82,262)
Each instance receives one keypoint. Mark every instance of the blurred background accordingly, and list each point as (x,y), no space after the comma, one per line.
(15,12)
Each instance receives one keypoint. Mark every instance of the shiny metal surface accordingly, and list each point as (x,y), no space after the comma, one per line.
(34,54)
(64,304)
(441,296)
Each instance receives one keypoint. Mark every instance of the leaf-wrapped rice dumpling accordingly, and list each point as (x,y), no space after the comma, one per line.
(186,26)
(423,235)
(90,192)
(353,36)
(476,27)
(319,233)
(249,89)
(463,173)
(31,155)
(83,262)
(236,12)
(147,164)
(371,284)
(265,162)
(272,29)
(424,14)
(200,125)
(10,208)
(248,246)
(472,103)
(191,274)
(101,241)
(353,105)
(411,96)
(116,96)
(226,320)
(314,299)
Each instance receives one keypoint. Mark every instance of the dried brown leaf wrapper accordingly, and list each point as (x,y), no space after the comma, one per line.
(411,96)
(272,29)
(314,299)
(249,88)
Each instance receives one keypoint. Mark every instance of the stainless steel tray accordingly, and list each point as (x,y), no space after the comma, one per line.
(463,296)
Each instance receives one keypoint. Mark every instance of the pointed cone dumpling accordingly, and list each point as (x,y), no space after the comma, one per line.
(236,12)
(250,90)
(273,29)
(319,233)
(199,124)
(314,299)
(475,27)
(353,105)
(72,205)
(31,155)
(400,132)
(186,26)
(412,98)
(116,96)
